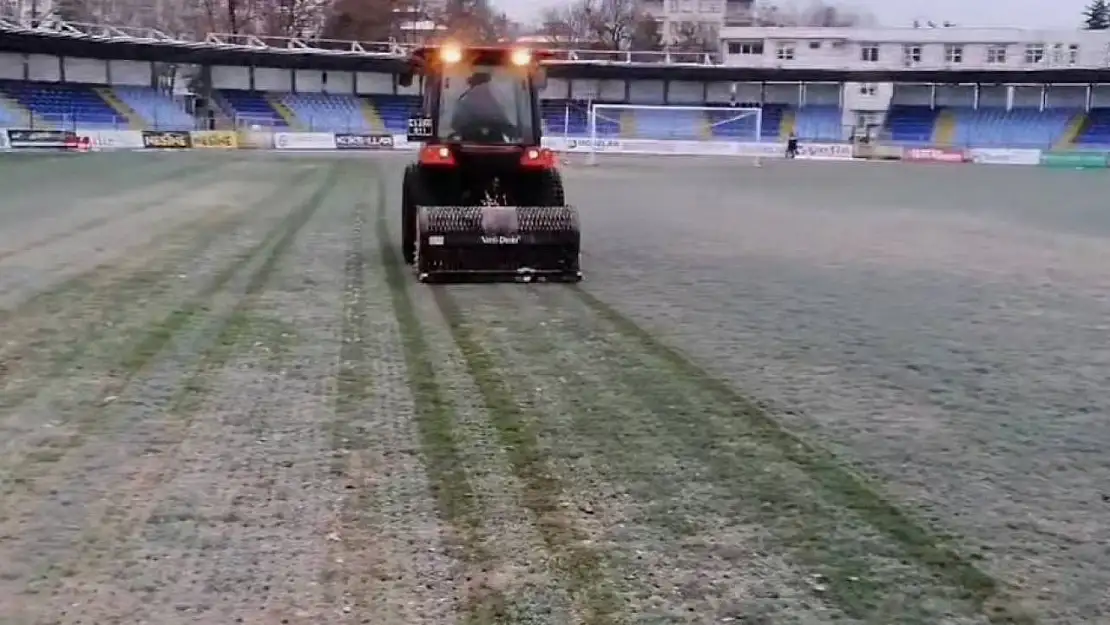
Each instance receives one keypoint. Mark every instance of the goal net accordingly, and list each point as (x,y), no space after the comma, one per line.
(672,130)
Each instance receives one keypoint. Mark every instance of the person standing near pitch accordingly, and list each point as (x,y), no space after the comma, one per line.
(792,146)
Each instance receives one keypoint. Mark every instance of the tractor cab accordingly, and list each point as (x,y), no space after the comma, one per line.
(478,96)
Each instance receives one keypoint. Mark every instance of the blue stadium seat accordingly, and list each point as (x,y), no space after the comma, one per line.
(64,105)
(911,124)
(395,110)
(1019,127)
(253,107)
(157,110)
(328,112)
(819,123)
(1097,131)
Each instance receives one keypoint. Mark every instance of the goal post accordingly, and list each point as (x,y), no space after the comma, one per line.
(709,124)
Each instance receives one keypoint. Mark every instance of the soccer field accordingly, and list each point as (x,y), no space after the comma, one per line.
(799,393)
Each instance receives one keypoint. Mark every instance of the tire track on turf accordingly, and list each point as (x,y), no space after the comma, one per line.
(672,540)
(127,510)
(104,295)
(388,561)
(836,484)
(184,175)
(579,566)
(131,360)
(458,504)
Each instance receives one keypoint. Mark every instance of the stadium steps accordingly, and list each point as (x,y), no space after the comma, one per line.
(1077,125)
(706,130)
(628,124)
(17,114)
(787,125)
(284,111)
(944,129)
(372,116)
(134,120)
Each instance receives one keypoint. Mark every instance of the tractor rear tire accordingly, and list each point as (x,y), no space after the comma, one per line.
(409,196)
(549,191)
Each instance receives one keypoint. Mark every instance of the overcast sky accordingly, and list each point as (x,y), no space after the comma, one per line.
(1023,13)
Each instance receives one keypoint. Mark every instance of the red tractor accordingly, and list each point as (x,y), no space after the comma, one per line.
(485,198)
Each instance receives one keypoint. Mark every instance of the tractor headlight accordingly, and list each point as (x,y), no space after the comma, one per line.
(450,54)
(522,57)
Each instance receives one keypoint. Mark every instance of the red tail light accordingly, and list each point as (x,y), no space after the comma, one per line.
(539,158)
(437,155)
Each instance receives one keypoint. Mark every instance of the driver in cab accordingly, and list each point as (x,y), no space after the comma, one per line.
(478,115)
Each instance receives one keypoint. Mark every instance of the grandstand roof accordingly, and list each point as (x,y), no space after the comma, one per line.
(108,42)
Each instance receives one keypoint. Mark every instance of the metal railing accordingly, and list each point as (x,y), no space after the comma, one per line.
(75,120)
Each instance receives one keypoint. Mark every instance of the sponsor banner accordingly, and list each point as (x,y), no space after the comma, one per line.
(401,142)
(1002,156)
(878,152)
(44,139)
(656,148)
(214,139)
(934,155)
(3,139)
(115,139)
(167,139)
(255,139)
(304,141)
(825,151)
(1078,160)
(351,141)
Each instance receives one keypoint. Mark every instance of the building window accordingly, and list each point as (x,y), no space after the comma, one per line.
(996,55)
(1073,54)
(1034,53)
(868,88)
(953,53)
(673,6)
(815,45)
(911,54)
(869,52)
(785,51)
(746,47)
(710,6)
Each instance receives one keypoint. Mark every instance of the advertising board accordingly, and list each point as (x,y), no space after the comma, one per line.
(825,151)
(214,139)
(304,141)
(934,155)
(167,140)
(116,139)
(1005,156)
(356,141)
(652,147)
(39,139)
(1079,160)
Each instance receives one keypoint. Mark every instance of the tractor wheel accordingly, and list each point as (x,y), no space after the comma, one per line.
(408,214)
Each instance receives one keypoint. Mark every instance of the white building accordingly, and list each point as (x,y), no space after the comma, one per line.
(706,17)
(923,48)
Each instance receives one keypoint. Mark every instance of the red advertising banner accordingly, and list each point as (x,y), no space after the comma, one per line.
(934,155)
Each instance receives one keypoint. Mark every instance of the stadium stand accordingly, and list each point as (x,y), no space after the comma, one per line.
(154,109)
(64,104)
(253,106)
(819,123)
(1015,128)
(394,110)
(911,124)
(330,112)
(1096,129)
(88,106)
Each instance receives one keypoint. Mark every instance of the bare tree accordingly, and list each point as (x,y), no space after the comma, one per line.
(648,34)
(601,24)
(695,37)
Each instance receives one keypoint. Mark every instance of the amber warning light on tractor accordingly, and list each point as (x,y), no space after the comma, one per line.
(450,54)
